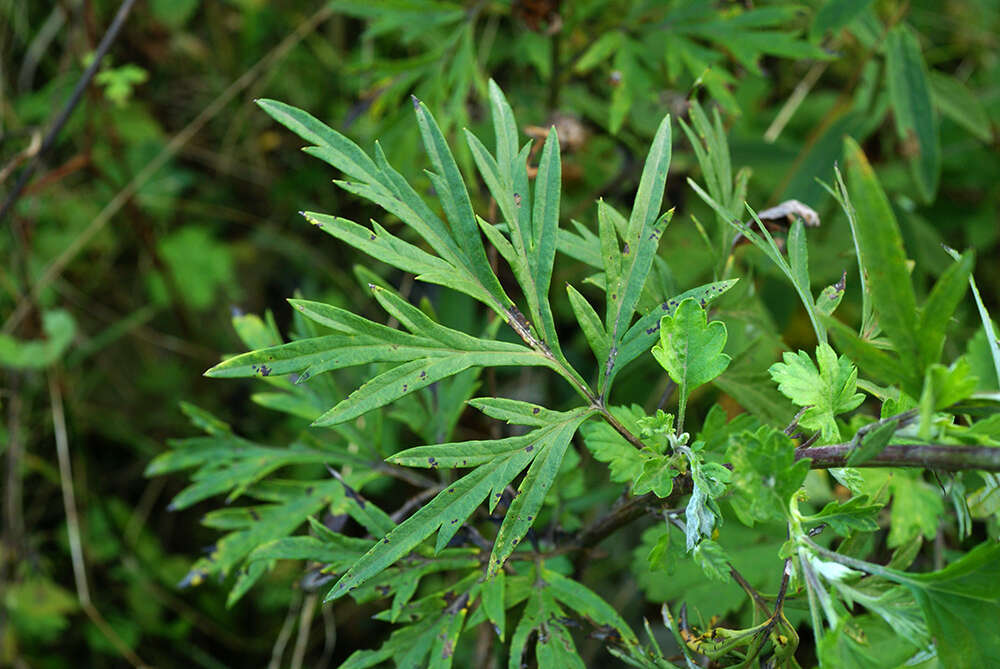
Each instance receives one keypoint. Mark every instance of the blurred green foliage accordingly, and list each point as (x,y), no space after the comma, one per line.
(119,315)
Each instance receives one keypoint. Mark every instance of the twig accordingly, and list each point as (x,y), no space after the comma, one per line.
(403,474)
(945,457)
(667,392)
(329,636)
(616,424)
(32,149)
(404,511)
(69,498)
(305,623)
(73,528)
(904,418)
(67,111)
(786,576)
(931,456)
(758,600)
(284,634)
(632,509)
(795,421)
(794,100)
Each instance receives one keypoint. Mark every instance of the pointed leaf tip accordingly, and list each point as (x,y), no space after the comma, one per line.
(416,101)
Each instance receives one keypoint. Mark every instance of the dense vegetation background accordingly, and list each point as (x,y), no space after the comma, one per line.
(167,205)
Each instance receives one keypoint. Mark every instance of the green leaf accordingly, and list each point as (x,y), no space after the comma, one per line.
(272,522)
(423,360)
(863,642)
(667,553)
(961,105)
(588,604)
(657,476)
(504,129)
(532,617)
(644,229)
(872,444)
(834,15)
(798,256)
(447,511)
(557,648)
(827,392)
(702,511)
(534,487)
(645,331)
(876,363)
(606,445)
(961,604)
(590,324)
(626,71)
(515,412)
(910,93)
(454,198)
(531,251)
(336,149)
(226,464)
(765,242)
(690,349)
(712,559)
(857,513)
(765,475)
(944,386)
(411,643)
(293,405)
(464,453)
(545,225)
(493,602)
(205,421)
(916,508)
(883,261)
(59,327)
(988,330)
(336,551)
(939,307)
(381,244)
(599,51)
(498,463)
(442,652)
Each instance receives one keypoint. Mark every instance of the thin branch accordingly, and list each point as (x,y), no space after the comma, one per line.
(284,633)
(903,419)
(415,479)
(73,528)
(69,499)
(945,457)
(616,424)
(305,623)
(751,592)
(404,511)
(931,456)
(631,509)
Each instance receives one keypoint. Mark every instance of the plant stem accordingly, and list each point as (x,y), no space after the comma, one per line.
(932,456)
(616,424)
